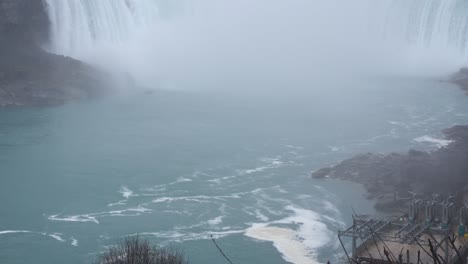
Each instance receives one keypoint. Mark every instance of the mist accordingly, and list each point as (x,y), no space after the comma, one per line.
(264,45)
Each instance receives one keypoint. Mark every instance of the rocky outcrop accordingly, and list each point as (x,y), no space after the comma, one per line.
(461,78)
(28,74)
(23,21)
(32,77)
(387,175)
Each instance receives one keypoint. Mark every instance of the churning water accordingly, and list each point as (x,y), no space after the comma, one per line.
(177,167)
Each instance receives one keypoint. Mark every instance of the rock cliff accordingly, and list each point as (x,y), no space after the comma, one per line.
(28,74)
(23,22)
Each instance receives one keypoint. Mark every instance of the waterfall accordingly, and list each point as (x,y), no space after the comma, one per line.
(430,23)
(273,36)
(79,25)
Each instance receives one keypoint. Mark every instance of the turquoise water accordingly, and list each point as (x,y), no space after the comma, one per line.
(176,167)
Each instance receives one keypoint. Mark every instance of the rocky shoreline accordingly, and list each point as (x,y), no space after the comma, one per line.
(461,79)
(30,76)
(33,77)
(389,177)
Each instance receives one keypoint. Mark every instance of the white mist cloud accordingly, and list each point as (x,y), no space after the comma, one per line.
(263,44)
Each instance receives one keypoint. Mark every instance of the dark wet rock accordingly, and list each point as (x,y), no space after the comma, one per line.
(461,79)
(322,173)
(388,175)
(24,21)
(34,77)
(30,76)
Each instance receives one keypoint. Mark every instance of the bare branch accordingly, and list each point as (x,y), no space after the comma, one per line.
(219,249)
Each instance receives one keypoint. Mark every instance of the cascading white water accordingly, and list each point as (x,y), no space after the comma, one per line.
(430,25)
(79,25)
(269,36)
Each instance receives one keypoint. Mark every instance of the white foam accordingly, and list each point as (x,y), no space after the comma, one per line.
(172,212)
(180,237)
(294,147)
(273,161)
(215,221)
(259,169)
(438,142)
(197,198)
(14,232)
(157,188)
(262,204)
(217,181)
(330,207)
(312,229)
(121,202)
(169,234)
(132,211)
(163,187)
(93,216)
(197,174)
(261,216)
(400,124)
(57,236)
(126,192)
(182,179)
(74,218)
(296,245)
(335,221)
(268,163)
(138,209)
(74,242)
(172,199)
(219,234)
(284,240)
(333,148)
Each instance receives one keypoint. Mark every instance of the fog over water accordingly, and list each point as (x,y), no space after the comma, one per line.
(210,44)
(250,97)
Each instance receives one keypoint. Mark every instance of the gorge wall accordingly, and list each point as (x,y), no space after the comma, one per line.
(30,76)
(23,21)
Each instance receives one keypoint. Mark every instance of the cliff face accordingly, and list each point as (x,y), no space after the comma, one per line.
(28,74)
(23,21)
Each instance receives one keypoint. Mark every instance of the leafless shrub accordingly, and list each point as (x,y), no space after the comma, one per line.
(133,250)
